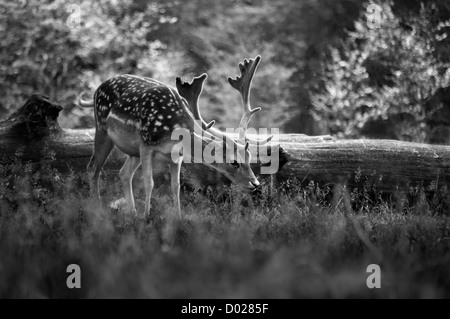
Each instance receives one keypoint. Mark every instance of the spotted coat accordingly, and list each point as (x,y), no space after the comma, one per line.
(150,106)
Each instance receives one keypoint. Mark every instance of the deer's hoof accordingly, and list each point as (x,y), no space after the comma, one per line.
(121,205)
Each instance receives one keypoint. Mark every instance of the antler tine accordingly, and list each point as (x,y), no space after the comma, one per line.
(191,92)
(243,84)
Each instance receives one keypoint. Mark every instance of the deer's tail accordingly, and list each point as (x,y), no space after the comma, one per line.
(84,103)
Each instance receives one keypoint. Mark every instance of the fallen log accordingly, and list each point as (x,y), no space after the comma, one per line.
(32,134)
(387,164)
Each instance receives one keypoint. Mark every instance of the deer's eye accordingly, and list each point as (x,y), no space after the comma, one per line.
(235,164)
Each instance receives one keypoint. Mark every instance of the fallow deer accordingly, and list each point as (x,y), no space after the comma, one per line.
(138,114)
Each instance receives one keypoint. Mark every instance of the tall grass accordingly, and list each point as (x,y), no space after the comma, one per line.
(297,242)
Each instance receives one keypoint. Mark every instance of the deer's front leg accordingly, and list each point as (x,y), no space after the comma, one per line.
(147,172)
(175,169)
(126,175)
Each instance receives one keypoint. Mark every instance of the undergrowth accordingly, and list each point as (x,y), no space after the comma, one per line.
(291,241)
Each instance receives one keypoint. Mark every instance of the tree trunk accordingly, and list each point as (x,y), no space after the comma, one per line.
(32,134)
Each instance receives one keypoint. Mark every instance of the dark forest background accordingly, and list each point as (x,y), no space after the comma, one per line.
(326,68)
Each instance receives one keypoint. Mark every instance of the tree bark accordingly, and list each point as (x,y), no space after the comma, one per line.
(32,134)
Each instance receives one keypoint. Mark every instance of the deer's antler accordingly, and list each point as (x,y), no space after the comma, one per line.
(243,84)
(191,92)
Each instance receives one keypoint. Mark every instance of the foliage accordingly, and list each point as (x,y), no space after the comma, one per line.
(290,244)
(47,49)
(323,69)
(162,39)
(378,82)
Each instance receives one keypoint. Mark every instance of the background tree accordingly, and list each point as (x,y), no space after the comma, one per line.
(324,70)
(378,83)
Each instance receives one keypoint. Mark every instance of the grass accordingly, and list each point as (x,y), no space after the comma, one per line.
(297,242)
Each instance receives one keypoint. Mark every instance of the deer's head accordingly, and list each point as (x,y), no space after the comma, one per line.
(235,157)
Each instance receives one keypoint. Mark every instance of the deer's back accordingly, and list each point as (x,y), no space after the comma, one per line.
(141,105)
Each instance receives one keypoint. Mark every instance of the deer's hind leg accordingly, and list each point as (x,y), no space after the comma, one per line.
(103,146)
